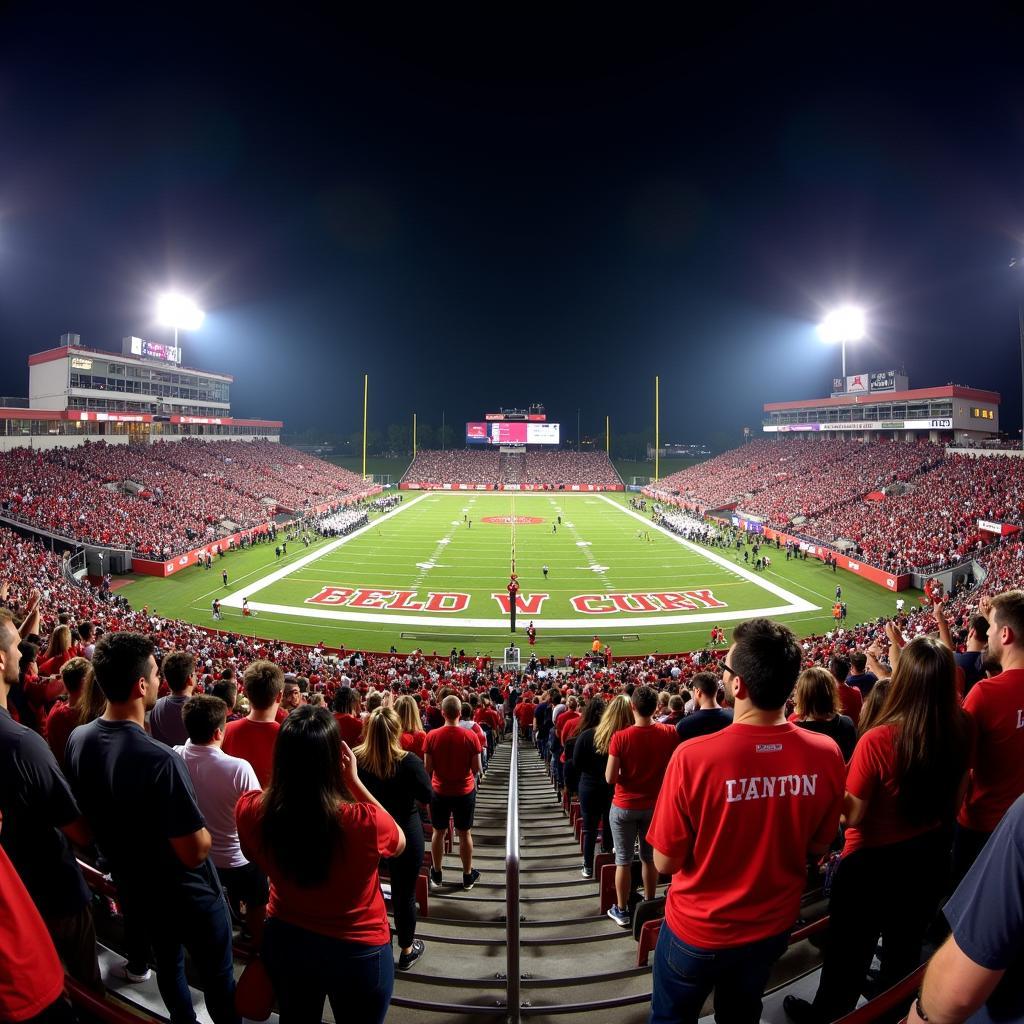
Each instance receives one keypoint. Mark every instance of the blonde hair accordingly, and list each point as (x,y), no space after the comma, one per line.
(408,712)
(60,641)
(618,716)
(380,751)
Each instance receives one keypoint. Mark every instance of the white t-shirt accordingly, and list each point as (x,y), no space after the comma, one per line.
(219,781)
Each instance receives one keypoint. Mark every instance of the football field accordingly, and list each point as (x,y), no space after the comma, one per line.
(433,572)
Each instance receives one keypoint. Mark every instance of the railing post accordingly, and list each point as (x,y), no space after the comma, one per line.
(512,975)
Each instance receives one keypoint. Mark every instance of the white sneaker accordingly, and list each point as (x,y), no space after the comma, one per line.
(121,971)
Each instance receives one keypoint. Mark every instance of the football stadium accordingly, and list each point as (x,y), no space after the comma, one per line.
(518,717)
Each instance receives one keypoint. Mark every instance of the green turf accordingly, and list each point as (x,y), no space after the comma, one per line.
(629,468)
(404,551)
(376,465)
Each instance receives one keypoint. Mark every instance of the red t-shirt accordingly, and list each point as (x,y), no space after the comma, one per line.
(453,753)
(741,808)
(643,752)
(253,742)
(996,707)
(351,728)
(414,741)
(348,905)
(872,777)
(524,712)
(851,700)
(59,723)
(281,715)
(565,719)
(31,977)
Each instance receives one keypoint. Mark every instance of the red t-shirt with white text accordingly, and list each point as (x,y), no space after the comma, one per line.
(996,707)
(453,753)
(643,752)
(741,808)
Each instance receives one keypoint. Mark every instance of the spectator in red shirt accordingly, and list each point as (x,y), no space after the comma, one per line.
(67,715)
(524,716)
(327,934)
(851,700)
(637,758)
(738,812)
(452,757)
(996,707)
(346,713)
(31,976)
(252,738)
(902,791)
(414,736)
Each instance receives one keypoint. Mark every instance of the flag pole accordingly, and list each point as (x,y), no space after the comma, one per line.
(657,424)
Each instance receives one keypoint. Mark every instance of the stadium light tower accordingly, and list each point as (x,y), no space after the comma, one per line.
(1017,263)
(843,325)
(180,312)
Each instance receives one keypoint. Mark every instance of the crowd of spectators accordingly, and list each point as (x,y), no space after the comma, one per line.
(934,523)
(783,480)
(538,468)
(162,499)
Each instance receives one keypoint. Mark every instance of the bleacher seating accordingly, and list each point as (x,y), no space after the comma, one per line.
(536,468)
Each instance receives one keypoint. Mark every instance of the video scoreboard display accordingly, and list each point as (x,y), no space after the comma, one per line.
(151,350)
(512,432)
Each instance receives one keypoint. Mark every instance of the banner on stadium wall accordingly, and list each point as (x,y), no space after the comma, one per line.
(590,488)
(1003,529)
(890,581)
(159,567)
(938,423)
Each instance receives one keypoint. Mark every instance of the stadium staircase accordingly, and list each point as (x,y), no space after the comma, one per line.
(531,908)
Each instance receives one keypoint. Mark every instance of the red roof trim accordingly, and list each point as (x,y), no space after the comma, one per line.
(52,354)
(947,391)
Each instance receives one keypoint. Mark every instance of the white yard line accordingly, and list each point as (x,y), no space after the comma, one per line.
(234,600)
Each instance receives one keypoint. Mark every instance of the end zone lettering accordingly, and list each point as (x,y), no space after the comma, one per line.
(674,601)
(391,600)
(526,604)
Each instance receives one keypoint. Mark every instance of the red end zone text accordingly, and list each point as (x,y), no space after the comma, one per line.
(392,600)
(675,601)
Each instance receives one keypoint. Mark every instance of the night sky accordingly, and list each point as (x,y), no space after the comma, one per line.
(484,212)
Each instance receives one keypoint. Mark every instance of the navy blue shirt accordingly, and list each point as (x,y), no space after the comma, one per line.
(137,795)
(702,723)
(35,803)
(986,915)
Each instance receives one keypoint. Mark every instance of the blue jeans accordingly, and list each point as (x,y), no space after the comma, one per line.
(306,968)
(206,933)
(685,975)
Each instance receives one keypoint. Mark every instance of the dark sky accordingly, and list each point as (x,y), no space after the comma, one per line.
(495,211)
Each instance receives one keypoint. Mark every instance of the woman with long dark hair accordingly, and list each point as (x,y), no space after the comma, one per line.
(589,761)
(904,784)
(397,778)
(319,834)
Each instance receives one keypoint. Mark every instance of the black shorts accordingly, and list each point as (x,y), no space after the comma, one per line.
(460,808)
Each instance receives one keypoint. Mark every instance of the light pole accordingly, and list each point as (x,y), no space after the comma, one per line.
(1018,263)
(178,311)
(842,325)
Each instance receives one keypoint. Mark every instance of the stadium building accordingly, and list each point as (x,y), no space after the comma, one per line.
(141,394)
(874,406)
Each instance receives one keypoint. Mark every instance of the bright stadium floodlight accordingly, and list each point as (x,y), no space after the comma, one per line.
(843,325)
(180,312)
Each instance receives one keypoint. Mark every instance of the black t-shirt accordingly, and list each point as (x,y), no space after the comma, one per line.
(970,662)
(840,728)
(986,915)
(400,793)
(703,723)
(864,682)
(35,802)
(542,718)
(586,760)
(137,795)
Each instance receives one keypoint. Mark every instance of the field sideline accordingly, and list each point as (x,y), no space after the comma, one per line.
(432,574)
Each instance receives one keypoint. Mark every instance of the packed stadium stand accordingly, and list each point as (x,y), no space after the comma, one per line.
(537,909)
(533,468)
(166,497)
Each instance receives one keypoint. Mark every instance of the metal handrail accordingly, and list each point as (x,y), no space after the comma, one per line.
(512,975)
